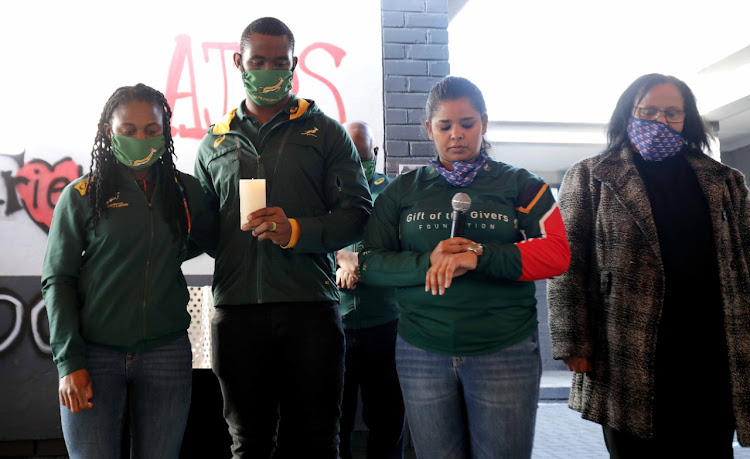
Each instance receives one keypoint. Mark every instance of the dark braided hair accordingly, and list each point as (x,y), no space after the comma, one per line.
(102,186)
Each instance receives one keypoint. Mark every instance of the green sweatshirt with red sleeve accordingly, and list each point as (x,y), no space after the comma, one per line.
(513,215)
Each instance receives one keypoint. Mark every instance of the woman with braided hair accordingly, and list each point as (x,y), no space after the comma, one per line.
(113,287)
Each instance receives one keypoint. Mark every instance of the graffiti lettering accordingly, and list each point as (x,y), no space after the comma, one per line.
(36,314)
(337,54)
(223,49)
(183,51)
(15,331)
(38,319)
(39,185)
(13,205)
(182,59)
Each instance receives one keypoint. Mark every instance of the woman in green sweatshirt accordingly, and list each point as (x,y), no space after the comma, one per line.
(113,287)
(467,354)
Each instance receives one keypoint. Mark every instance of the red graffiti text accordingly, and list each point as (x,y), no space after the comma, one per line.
(182,70)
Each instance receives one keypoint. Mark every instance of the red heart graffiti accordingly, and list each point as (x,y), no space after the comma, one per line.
(39,186)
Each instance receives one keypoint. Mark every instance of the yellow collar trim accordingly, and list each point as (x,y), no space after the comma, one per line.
(299,110)
(222,127)
(82,186)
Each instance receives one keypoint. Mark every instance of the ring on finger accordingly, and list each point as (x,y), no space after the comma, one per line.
(273,227)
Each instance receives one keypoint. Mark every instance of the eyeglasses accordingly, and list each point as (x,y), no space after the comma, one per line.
(651,113)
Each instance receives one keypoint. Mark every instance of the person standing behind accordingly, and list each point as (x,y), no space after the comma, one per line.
(658,285)
(278,342)
(114,292)
(467,350)
(370,318)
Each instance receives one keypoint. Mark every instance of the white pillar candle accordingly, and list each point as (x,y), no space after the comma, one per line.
(252,197)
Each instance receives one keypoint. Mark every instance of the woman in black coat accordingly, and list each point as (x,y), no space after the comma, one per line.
(659,284)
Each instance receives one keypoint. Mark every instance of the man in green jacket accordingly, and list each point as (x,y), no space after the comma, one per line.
(370,318)
(278,342)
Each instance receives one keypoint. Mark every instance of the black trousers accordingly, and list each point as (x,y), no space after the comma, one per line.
(371,368)
(709,445)
(281,370)
(698,424)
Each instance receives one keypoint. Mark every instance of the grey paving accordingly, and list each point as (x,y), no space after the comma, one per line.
(561,433)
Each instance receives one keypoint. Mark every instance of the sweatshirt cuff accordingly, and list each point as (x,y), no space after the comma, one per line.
(295,234)
(70,365)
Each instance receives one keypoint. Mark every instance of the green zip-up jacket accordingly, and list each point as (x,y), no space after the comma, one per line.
(513,215)
(367,306)
(122,286)
(313,173)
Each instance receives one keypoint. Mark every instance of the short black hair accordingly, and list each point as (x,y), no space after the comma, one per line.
(266,26)
(694,130)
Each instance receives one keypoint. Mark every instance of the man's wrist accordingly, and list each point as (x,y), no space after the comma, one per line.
(294,237)
(346,256)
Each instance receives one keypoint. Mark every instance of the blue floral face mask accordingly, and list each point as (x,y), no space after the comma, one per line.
(463,172)
(654,140)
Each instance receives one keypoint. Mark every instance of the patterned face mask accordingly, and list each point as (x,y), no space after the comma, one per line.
(463,172)
(654,140)
(267,87)
(369,168)
(137,153)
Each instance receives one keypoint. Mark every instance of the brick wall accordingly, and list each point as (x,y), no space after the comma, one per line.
(415,56)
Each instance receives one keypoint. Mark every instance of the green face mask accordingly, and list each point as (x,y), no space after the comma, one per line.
(369,168)
(267,87)
(137,153)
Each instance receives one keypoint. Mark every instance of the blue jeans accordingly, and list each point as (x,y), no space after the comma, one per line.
(151,389)
(281,371)
(471,407)
(371,368)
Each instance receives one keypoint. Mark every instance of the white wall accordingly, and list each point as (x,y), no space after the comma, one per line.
(62,60)
(738,159)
